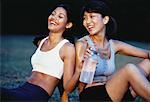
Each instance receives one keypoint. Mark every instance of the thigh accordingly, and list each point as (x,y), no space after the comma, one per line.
(118,85)
(26,92)
(120,81)
(11,94)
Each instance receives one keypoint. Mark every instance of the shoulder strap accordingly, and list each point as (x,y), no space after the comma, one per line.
(112,46)
(42,41)
(60,44)
(90,42)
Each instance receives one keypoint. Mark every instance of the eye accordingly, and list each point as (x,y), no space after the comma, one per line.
(61,16)
(92,16)
(52,13)
(84,18)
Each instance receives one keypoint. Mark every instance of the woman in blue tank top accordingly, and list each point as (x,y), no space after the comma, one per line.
(47,71)
(108,84)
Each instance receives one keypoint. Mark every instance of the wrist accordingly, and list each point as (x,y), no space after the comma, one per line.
(78,71)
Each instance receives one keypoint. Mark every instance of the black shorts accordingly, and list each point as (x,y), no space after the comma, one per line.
(94,94)
(25,93)
(99,94)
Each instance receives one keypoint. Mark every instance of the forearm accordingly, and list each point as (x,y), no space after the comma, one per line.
(73,82)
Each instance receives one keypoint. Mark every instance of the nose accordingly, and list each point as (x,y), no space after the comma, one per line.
(88,20)
(53,17)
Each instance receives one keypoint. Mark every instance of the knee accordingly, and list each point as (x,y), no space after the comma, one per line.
(130,68)
(146,62)
(145,65)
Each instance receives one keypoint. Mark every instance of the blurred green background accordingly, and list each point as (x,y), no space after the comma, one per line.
(16,51)
(22,20)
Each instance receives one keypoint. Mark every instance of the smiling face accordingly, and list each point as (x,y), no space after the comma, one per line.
(57,21)
(93,22)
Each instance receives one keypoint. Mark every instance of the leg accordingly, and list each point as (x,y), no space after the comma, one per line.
(129,75)
(144,67)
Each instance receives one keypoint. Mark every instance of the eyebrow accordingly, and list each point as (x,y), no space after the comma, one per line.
(60,13)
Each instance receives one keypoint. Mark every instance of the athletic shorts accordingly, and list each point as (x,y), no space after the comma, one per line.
(25,93)
(99,93)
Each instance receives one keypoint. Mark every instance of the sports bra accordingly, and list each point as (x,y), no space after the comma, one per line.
(49,62)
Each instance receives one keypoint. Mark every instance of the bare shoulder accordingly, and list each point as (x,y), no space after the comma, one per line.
(81,43)
(68,50)
(68,46)
(120,45)
(117,44)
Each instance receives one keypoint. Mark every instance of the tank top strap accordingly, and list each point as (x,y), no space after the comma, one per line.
(42,41)
(90,42)
(61,43)
(112,46)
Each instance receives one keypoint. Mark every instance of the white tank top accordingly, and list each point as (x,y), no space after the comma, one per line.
(49,62)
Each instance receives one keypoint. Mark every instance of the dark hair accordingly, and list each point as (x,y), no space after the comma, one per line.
(67,7)
(70,18)
(98,6)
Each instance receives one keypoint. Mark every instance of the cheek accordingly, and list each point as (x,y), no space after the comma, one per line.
(84,24)
(63,21)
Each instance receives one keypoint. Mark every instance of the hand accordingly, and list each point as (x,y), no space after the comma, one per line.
(132,92)
(64,97)
(88,53)
(81,87)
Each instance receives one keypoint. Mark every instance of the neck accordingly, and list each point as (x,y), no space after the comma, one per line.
(99,40)
(54,37)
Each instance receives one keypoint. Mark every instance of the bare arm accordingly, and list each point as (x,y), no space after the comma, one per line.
(68,53)
(127,49)
(80,50)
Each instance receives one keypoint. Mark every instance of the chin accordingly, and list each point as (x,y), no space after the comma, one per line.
(91,33)
(50,28)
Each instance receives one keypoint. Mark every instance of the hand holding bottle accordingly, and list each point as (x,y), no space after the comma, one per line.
(89,66)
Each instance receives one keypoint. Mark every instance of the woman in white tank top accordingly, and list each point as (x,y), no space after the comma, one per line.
(114,84)
(50,62)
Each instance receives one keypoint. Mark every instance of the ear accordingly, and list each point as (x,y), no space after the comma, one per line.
(69,25)
(106,19)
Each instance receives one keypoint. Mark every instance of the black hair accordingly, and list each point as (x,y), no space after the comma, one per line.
(99,6)
(67,7)
(70,18)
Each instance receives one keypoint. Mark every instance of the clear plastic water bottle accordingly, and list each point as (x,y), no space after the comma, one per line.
(88,70)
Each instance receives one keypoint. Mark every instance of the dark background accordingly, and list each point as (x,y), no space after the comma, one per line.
(30,17)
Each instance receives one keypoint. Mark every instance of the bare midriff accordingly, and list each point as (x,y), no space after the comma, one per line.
(47,82)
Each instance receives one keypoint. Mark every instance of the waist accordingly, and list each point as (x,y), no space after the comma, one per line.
(55,72)
(99,80)
(47,82)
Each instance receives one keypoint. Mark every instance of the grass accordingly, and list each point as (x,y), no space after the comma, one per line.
(16,51)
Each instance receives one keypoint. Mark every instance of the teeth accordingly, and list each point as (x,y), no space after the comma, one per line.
(52,22)
(89,27)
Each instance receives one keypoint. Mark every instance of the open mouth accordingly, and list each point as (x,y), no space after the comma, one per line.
(90,28)
(52,22)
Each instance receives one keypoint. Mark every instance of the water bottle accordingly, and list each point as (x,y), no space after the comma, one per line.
(88,69)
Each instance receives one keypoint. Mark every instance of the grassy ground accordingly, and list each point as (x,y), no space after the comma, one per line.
(15,67)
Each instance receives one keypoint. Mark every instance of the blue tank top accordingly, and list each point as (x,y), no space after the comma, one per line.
(105,67)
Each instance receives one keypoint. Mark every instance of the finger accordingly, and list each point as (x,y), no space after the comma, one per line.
(89,51)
